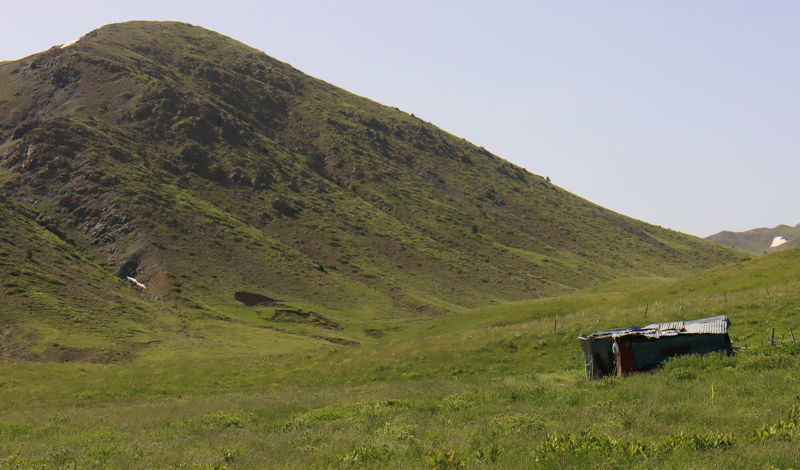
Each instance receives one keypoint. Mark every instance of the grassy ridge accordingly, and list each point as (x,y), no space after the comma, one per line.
(759,241)
(504,388)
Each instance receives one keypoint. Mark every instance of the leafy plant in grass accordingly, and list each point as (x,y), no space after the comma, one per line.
(514,423)
(589,445)
(399,431)
(713,440)
(781,430)
(443,459)
(216,420)
(229,455)
(343,413)
(15,462)
(366,454)
(492,455)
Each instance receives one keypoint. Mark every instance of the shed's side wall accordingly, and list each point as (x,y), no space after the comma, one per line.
(651,352)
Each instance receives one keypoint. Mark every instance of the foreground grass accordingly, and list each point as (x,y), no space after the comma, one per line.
(502,387)
(249,416)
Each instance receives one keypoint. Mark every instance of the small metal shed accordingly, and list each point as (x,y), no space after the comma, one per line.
(622,351)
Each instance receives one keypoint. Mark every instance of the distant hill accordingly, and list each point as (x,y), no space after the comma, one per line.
(761,240)
(210,173)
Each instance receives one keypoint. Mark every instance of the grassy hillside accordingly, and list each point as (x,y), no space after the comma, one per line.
(61,303)
(759,241)
(499,387)
(202,168)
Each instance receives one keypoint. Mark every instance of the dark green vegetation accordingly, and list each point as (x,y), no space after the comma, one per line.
(759,240)
(203,168)
(406,299)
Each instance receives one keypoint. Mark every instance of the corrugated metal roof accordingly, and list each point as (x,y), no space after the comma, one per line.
(712,325)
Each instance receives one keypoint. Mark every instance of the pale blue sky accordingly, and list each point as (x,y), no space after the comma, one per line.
(684,114)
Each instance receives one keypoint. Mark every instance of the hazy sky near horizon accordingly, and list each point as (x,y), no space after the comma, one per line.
(685,114)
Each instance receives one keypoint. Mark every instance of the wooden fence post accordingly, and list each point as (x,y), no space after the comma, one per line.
(772,337)
(792,335)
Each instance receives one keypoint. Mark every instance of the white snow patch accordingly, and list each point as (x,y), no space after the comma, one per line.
(67,44)
(138,284)
(778,241)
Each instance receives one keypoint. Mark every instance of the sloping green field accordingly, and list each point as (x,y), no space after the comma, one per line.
(500,387)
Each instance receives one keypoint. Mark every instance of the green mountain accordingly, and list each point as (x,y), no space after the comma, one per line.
(242,192)
(760,240)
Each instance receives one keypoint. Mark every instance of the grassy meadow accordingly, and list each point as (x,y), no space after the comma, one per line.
(499,387)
